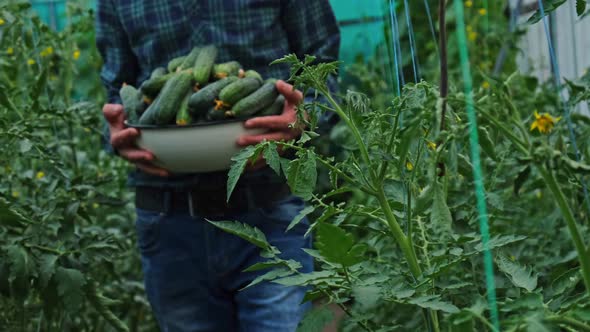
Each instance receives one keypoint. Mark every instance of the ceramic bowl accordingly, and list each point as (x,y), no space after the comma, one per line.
(197,148)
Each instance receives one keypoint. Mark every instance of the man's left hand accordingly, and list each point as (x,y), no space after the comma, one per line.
(280,127)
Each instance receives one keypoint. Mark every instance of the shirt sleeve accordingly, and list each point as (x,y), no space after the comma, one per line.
(312,29)
(119,62)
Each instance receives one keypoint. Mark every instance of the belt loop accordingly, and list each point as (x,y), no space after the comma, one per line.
(167,201)
(191,207)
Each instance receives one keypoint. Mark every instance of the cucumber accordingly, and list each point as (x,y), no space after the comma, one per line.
(255,102)
(276,108)
(191,58)
(254,74)
(160,71)
(215,115)
(152,87)
(132,102)
(184,117)
(175,63)
(239,89)
(202,100)
(163,110)
(227,69)
(204,65)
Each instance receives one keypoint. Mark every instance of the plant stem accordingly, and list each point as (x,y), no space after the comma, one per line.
(571,224)
(399,236)
(580,326)
(444,68)
(355,131)
(385,163)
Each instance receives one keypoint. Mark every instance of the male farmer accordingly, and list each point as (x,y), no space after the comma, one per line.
(193,271)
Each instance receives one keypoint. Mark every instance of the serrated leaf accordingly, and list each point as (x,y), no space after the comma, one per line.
(500,241)
(316,320)
(239,162)
(25,145)
(440,215)
(305,279)
(535,324)
(292,264)
(69,287)
(245,231)
(367,296)
(269,276)
(21,266)
(8,216)
(298,218)
(302,175)
(549,6)
(271,155)
(434,302)
(337,246)
(46,268)
(520,276)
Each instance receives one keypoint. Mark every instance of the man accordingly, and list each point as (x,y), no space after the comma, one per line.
(193,271)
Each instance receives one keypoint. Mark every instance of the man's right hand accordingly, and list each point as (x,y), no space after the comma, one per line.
(123,141)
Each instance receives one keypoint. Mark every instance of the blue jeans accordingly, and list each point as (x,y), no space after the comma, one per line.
(193,271)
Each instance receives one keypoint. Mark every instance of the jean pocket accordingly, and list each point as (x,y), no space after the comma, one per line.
(147,227)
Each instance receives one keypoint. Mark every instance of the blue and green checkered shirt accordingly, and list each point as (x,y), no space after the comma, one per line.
(136,36)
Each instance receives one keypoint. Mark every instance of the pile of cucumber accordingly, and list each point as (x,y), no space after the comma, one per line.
(194,89)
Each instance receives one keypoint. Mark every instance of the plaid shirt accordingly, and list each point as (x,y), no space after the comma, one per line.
(136,36)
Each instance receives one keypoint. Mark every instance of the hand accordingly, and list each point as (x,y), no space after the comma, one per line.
(280,127)
(122,140)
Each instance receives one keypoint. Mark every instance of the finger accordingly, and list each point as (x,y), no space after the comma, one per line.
(274,136)
(274,122)
(292,95)
(136,155)
(124,138)
(115,115)
(153,170)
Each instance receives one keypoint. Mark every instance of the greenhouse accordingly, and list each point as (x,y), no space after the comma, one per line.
(304,166)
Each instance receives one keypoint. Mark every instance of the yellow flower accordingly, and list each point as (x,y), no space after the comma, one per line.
(95,205)
(431,145)
(472,35)
(86,129)
(485,85)
(468,3)
(76,54)
(46,52)
(544,122)
(469,28)
(31,62)
(2,21)
(10,51)
(15,194)
(40,175)
(409,166)
(483,12)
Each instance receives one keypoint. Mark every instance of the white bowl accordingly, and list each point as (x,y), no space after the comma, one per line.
(197,148)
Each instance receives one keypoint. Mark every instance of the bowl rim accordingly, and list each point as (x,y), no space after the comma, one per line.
(192,125)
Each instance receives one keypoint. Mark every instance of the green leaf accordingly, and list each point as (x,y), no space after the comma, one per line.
(306,278)
(271,155)
(245,231)
(440,215)
(298,218)
(25,145)
(316,320)
(580,7)
(521,179)
(367,297)
(548,6)
(337,246)
(486,143)
(69,287)
(269,276)
(292,264)
(535,324)
(237,168)
(500,241)
(46,269)
(520,276)
(21,267)
(302,175)
(434,302)
(10,217)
